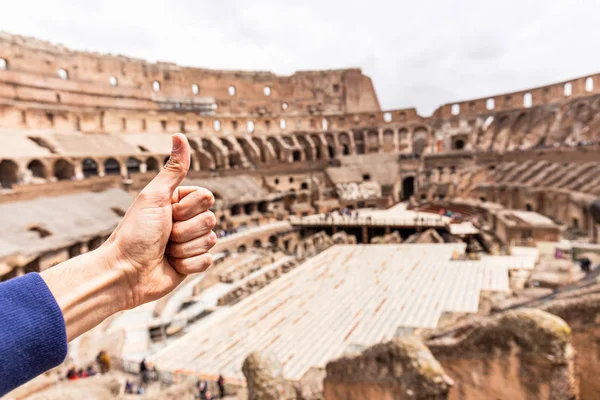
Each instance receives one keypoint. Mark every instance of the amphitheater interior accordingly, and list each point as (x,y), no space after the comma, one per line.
(363,253)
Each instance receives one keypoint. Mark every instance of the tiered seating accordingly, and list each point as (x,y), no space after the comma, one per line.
(360,295)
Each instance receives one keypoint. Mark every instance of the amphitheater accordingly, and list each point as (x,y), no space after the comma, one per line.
(363,253)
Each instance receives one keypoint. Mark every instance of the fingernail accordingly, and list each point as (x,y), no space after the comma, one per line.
(176,142)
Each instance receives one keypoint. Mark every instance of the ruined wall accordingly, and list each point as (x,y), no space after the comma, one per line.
(521,354)
(399,370)
(95,92)
(582,313)
(524,354)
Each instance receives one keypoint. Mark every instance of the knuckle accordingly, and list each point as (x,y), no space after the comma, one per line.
(211,239)
(176,232)
(210,220)
(206,261)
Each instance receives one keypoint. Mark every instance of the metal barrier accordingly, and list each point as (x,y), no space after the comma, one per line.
(362,221)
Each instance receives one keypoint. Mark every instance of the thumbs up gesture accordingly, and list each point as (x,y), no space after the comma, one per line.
(166,233)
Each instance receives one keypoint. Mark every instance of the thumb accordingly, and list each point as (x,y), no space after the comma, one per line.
(176,168)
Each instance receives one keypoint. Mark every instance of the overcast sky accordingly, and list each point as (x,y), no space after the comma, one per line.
(418,53)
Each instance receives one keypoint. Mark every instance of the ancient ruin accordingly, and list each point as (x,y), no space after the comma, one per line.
(362,252)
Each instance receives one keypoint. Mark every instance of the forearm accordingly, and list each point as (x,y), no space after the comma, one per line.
(88,289)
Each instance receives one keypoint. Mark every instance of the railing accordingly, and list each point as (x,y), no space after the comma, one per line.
(368,221)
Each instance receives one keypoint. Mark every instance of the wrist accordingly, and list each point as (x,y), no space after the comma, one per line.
(88,289)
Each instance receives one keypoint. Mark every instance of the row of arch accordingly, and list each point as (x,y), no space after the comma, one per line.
(214,152)
(62,169)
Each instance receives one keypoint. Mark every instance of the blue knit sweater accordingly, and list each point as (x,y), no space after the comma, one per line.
(33,338)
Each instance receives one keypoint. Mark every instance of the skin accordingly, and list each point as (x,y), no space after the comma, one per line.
(164,236)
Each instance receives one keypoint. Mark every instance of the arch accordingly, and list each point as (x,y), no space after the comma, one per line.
(373,140)
(359,142)
(112,167)
(276,147)
(490,104)
(63,170)
(89,167)
(257,244)
(408,187)
(235,158)
(3,64)
(297,155)
(249,208)
(420,140)
(331,148)
(156,86)
(308,153)
(242,249)
(459,144)
(37,168)
(151,164)
(264,151)
(214,151)
(455,109)
(231,90)
(344,140)
(263,207)
(133,165)
(9,173)
(273,240)
(388,141)
(236,209)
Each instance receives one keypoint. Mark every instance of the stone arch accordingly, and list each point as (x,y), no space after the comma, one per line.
(420,140)
(235,159)
(250,150)
(372,141)
(257,244)
(204,157)
(9,173)
(331,147)
(214,151)
(319,153)
(306,146)
(297,154)
(37,168)
(344,140)
(112,166)
(459,144)
(63,170)
(265,151)
(133,165)
(277,148)
(89,167)
(151,164)
(388,141)
(360,145)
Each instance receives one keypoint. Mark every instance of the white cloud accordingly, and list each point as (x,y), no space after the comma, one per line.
(418,54)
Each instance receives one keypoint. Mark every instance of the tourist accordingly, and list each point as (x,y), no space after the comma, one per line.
(128,387)
(42,312)
(72,374)
(90,371)
(144,372)
(103,360)
(221,385)
(585,264)
(202,388)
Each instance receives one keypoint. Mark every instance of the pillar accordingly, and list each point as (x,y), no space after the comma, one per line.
(79,171)
(365,234)
(143,167)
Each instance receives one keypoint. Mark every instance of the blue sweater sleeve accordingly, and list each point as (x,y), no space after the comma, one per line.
(33,337)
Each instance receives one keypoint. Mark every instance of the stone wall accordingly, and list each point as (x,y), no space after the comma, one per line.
(582,313)
(522,354)
(399,370)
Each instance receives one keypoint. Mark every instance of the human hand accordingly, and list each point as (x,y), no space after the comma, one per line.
(166,233)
